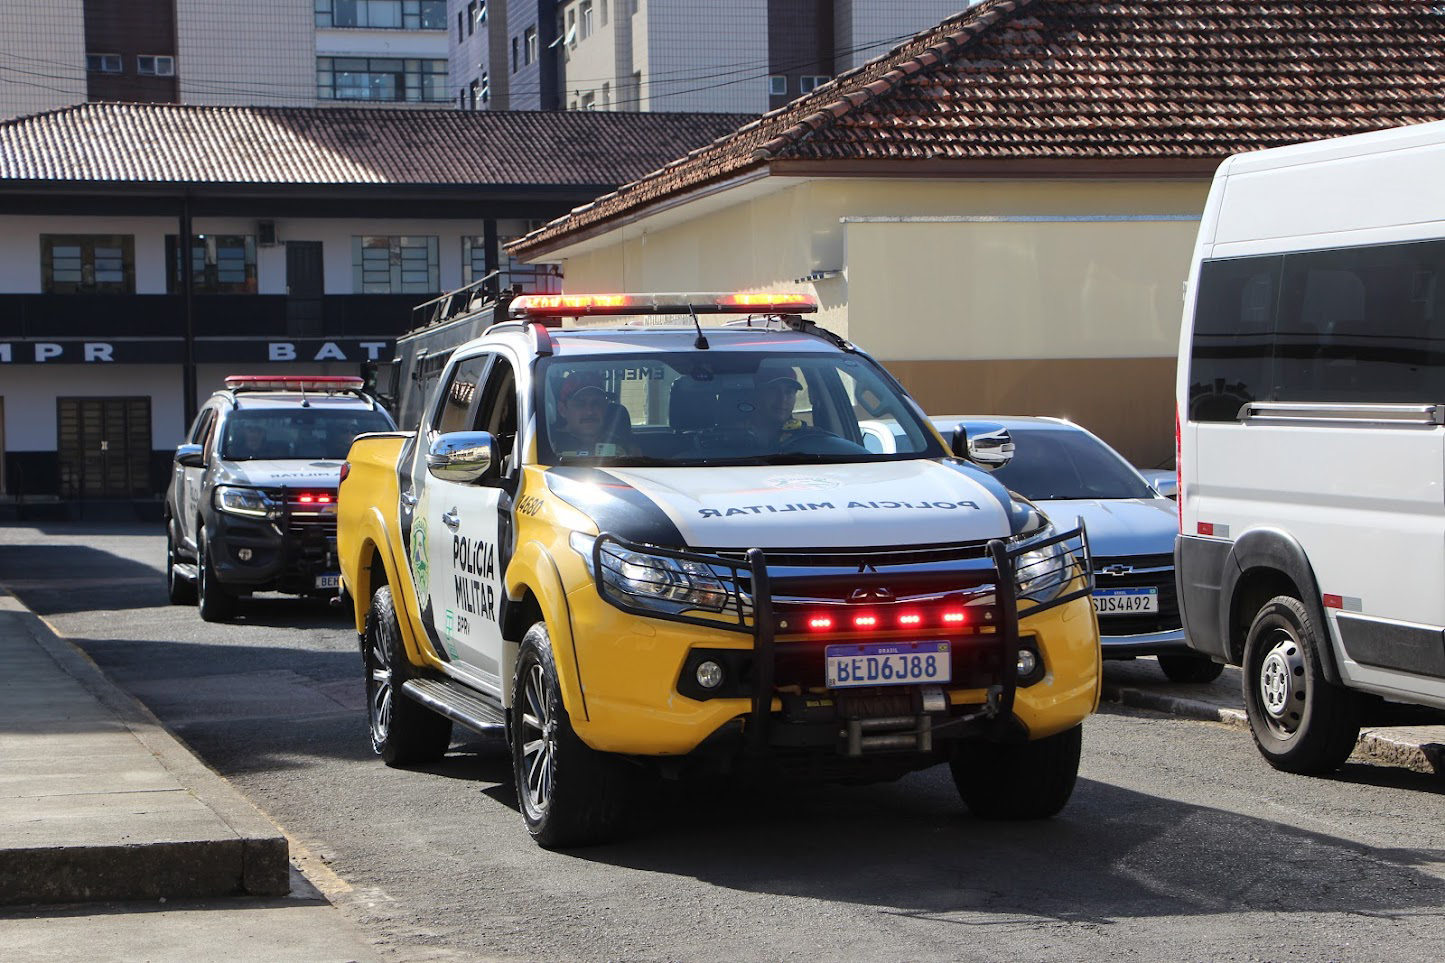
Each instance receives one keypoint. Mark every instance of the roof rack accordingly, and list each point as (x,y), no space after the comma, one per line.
(463,300)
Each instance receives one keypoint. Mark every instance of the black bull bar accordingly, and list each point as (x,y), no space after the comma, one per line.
(626,571)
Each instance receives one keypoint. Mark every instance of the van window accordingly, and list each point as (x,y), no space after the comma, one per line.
(1357,325)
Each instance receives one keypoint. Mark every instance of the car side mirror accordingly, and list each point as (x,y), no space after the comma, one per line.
(463,456)
(190,456)
(987,445)
(1167,485)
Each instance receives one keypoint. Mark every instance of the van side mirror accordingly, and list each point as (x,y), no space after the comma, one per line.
(1167,485)
(463,457)
(987,445)
(190,456)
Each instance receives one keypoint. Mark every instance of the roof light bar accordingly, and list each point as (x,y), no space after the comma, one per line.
(541,306)
(293,382)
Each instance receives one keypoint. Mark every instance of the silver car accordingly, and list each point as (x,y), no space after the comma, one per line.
(1067,471)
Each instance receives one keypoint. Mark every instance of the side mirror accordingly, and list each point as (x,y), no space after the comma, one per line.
(987,445)
(191,456)
(463,456)
(1166,485)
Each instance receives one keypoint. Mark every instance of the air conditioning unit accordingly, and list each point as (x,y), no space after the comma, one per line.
(266,233)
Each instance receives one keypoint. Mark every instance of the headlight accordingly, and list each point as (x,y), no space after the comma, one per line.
(244,501)
(1042,573)
(656,581)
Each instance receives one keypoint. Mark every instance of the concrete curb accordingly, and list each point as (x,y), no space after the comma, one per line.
(1393,747)
(248,856)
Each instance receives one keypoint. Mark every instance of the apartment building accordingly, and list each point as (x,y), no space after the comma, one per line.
(271,53)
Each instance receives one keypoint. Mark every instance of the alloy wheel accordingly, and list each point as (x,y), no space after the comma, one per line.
(538,739)
(379,688)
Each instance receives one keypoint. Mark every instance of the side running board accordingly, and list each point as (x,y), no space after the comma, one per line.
(457,704)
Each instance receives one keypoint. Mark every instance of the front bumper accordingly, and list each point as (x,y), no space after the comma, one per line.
(776,701)
(290,552)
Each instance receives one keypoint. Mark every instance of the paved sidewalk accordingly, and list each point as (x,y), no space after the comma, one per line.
(100,805)
(1140,683)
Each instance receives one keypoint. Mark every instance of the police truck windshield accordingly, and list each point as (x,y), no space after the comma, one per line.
(314,433)
(690,409)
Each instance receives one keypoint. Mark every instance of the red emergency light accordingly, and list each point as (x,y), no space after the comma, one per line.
(326,383)
(545,306)
(884,620)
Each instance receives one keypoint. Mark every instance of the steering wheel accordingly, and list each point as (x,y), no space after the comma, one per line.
(817,441)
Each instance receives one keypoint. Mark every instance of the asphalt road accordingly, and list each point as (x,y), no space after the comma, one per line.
(1179,844)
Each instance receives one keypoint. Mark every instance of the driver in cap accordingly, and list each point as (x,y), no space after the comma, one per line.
(584,409)
(774,396)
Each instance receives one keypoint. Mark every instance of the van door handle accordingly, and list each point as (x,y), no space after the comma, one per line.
(408,498)
(451,519)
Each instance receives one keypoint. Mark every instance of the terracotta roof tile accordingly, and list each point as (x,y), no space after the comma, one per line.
(164,143)
(1073,80)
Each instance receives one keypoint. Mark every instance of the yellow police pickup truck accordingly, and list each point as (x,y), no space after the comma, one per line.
(634,543)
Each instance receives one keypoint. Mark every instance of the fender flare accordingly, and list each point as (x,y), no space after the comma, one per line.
(376,533)
(1276,550)
(532,569)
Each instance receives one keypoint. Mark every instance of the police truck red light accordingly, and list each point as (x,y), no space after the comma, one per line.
(910,619)
(865,621)
(820,623)
(955,617)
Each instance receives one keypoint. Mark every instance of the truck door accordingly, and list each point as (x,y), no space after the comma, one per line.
(189,480)
(465,555)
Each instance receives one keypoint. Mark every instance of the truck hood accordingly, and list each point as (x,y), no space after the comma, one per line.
(1119,526)
(876,504)
(281,473)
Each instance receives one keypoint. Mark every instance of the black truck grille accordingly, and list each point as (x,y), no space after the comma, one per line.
(1155,571)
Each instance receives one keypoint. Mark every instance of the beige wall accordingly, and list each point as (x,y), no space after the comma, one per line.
(1055,297)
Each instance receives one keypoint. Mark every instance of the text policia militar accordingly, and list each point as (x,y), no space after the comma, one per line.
(824,506)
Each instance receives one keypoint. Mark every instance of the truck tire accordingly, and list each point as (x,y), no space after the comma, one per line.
(1189,668)
(403,732)
(178,590)
(1029,780)
(569,793)
(1301,723)
(217,603)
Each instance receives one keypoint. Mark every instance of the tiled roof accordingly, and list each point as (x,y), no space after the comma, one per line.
(1074,81)
(164,143)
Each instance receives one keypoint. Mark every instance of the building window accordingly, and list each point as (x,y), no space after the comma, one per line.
(475,91)
(383,14)
(88,263)
(529,45)
(533,278)
(589,101)
(151,66)
(516,54)
(471,17)
(103,63)
(394,265)
(606,96)
(486,93)
(808,84)
(220,263)
(777,85)
(570,37)
(584,16)
(481,11)
(381,79)
(460,17)
(604,13)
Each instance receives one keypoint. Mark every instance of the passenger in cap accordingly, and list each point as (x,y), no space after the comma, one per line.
(775,391)
(586,414)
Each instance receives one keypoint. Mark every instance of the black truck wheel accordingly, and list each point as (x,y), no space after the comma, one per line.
(1301,723)
(1189,668)
(1018,780)
(570,794)
(403,732)
(217,603)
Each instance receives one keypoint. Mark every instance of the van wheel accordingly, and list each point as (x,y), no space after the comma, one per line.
(570,794)
(216,602)
(178,590)
(1189,668)
(1301,723)
(1012,780)
(403,732)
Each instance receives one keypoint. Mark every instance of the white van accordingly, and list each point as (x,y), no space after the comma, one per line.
(1311,410)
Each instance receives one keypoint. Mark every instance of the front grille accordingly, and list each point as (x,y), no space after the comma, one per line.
(310,529)
(1147,570)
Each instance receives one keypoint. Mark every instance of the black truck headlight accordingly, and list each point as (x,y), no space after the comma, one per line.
(1042,573)
(251,502)
(655,581)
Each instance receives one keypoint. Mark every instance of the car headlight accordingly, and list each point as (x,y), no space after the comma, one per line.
(1042,573)
(656,581)
(244,501)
